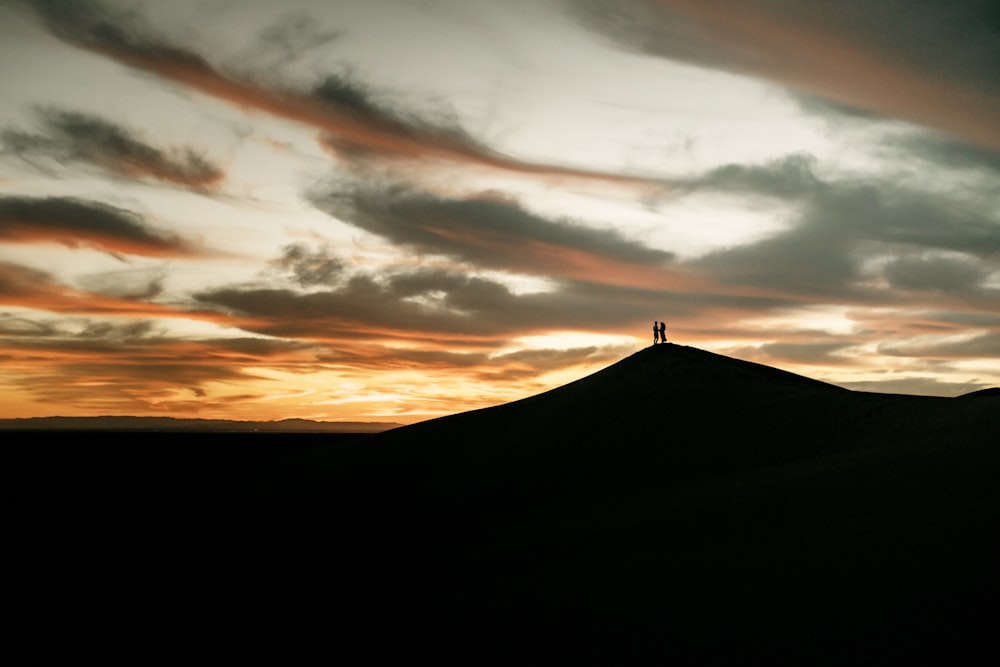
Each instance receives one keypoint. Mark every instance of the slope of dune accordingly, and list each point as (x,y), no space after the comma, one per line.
(685,505)
(671,411)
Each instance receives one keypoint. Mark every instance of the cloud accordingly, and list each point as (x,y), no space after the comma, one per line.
(134,284)
(11,325)
(492,231)
(936,272)
(931,62)
(530,363)
(789,177)
(944,151)
(76,222)
(132,367)
(77,137)
(983,345)
(30,288)
(442,308)
(309,267)
(292,36)
(840,226)
(907,145)
(821,349)
(433,307)
(350,120)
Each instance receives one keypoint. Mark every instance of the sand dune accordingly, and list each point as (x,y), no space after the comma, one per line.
(676,507)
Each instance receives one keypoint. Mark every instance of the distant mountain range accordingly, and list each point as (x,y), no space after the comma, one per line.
(171,424)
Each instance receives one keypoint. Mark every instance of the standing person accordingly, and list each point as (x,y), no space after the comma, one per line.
(656,333)
(663,332)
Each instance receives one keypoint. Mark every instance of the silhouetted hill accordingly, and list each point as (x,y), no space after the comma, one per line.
(991,391)
(685,505)
(670,410)
(676,507)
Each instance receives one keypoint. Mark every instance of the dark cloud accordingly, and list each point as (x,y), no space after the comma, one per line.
(16,325)
(76,222)
(790,177)
(492,231)
(933,272)
(839,225)
(429,305)
(931,62)
(77,137)
(117,331)
(346,93)
(144,283)
(437,310)
(448,319)
(309,267)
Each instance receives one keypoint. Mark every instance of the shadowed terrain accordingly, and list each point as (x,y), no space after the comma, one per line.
(675,506)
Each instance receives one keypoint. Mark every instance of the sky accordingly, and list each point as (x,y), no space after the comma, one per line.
(392,210)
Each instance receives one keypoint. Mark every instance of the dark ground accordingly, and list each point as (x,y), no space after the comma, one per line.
(802,525)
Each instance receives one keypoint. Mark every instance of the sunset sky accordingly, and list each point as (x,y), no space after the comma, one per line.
(390,210)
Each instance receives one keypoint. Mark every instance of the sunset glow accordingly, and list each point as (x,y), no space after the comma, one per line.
(391,211)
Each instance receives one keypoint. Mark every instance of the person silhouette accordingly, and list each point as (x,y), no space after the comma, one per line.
(656,332)
(663,332)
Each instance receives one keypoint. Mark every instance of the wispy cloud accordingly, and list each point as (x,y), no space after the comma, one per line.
(111,366)
(72,137)
(490,230)
(351,121)
(848,234)
(79,223)
(309,266)
(26,287)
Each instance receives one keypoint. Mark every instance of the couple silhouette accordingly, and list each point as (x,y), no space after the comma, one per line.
(659,332)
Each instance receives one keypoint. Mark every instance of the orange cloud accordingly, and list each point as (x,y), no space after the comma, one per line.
(76,223)
(24,287)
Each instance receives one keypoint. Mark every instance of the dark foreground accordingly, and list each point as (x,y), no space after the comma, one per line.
(675,507)
(303,549)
